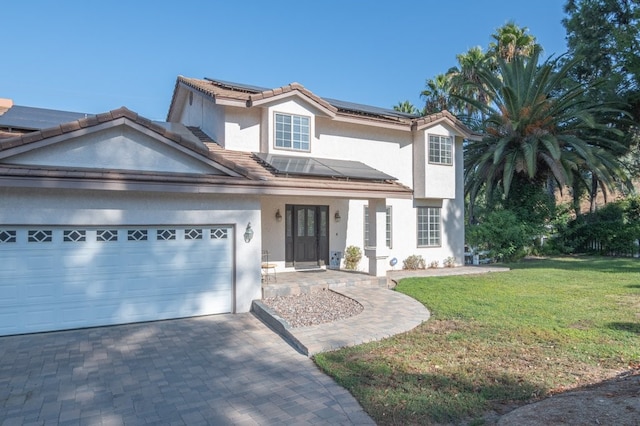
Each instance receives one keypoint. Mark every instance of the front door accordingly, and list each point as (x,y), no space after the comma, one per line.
(307,235)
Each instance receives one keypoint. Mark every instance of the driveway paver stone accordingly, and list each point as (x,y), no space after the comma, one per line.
(217,370)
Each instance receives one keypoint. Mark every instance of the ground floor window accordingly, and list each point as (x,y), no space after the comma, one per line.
(388,227)
(429,228)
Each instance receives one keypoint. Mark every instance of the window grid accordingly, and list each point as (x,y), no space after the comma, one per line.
(104,235)
(40,236)
(429,229)
(193,234)
(74,236)
(7,236)
(292,132)
(388,227)
(137,235)
(165,234)
(440,149)
(218,233)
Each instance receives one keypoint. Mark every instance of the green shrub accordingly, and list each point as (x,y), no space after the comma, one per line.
(502,234)
(413,262)
(449,262)
(352,257)
(434,264)
(612,230)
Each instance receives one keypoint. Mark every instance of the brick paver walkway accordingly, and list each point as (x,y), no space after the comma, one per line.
(386,313)
(214,370)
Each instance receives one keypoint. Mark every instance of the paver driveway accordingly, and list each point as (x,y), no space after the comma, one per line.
(223,369)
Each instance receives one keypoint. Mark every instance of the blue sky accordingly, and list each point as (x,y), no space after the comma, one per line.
(92,57)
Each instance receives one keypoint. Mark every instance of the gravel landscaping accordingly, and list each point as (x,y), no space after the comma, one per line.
(313,308)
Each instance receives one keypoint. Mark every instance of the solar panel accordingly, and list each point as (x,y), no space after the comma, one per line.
(237,86)
(21,117)
(351,106)
(325,167)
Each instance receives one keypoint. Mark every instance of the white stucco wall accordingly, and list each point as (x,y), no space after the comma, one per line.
(203,113)
(242,129)
(115,148)
(25,206)
(434,180)
(399,153)
(350,229)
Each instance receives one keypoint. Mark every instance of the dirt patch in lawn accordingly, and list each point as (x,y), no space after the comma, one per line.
(612,402)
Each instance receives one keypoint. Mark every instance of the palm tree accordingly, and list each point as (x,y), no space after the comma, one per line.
(538,129)
(512,41)
(437,94)
(465,82)
(406,107)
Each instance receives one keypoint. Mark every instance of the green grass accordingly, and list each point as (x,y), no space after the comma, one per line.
(498,339)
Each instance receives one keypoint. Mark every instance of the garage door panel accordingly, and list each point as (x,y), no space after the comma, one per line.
(82,276)
(40,291)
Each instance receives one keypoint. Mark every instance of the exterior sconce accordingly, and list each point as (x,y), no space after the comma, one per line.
(278,216)
(337,216)
(248,233)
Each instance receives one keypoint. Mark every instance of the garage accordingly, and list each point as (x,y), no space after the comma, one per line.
(57,278)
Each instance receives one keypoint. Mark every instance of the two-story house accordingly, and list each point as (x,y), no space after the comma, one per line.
(403,174)
(113,218)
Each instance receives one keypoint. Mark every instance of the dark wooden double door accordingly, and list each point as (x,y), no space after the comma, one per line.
(307,235)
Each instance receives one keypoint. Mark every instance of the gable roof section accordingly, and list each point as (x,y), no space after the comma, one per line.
(185,141)
(244,173)
(242,95)
(447,118)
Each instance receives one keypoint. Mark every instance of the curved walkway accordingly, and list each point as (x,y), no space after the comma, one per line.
(386,313)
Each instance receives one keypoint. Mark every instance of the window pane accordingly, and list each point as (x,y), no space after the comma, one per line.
(388,227)
(311,222)
(440,149)
(292,131)
(323,223)
(366,226)
(300,220)
(429,229)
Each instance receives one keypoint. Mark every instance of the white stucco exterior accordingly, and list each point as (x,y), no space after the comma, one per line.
(399,151)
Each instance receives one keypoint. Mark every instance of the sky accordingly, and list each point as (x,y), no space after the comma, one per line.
(92,57)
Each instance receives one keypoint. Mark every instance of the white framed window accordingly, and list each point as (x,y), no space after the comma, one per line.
(429,227)
(388,227)
(440,149)
(292,132)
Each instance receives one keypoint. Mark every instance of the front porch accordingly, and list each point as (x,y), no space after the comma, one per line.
(292,283)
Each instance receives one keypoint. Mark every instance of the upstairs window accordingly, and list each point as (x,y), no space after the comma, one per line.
(292,132)
(440,149)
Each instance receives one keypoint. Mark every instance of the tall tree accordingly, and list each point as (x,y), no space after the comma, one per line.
(465,82)
(437,94)
(406,107)
(539,129)
(606,34)
(512,41)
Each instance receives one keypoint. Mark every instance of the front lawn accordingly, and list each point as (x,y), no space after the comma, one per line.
(498,339)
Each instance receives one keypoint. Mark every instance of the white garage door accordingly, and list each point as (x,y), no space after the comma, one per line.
(56,278)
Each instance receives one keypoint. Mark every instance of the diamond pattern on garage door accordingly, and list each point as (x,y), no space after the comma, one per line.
(55,278)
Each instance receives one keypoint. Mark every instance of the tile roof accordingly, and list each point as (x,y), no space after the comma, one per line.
(432,119)
(250,95)
(252,174)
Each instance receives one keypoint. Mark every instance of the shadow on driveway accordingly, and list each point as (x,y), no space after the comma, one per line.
(222,369)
